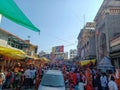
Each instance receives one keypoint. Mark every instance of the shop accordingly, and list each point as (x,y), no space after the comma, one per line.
(38,62)
(115,56)
(115,51)
(105,65)
(10,57)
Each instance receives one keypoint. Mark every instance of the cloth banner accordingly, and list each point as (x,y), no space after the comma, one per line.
(86,62)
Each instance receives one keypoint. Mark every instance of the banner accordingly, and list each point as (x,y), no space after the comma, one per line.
(86,62)
(58,49)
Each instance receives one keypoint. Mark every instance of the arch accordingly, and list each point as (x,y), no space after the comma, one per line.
(103,45)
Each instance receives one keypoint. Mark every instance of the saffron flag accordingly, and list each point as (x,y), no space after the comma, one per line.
(10,10)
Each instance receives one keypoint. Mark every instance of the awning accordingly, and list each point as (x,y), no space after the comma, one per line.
(12,53)
(45,59)
(10,10)
(105,64)
(86,62)
(31,57)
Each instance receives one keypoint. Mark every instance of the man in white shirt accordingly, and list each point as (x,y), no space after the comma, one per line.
(2,80)
(81,85)
(27,77)
(112,85)
(103,81)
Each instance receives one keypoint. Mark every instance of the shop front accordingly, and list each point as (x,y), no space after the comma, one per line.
(115,51)
(115,56)
(10,57)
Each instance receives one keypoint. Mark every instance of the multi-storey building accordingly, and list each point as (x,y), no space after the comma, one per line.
(86,42)
(115,51)
(9,40)
(73,53)
(58,53)
(107,27)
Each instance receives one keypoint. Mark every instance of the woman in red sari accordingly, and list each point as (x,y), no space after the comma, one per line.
(88,75)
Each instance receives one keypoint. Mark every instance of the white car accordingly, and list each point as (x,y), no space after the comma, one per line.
(52,80)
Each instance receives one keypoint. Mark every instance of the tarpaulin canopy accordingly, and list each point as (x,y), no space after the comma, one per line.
(105,64)
(10,10)
(45,59)
(31,57)
(86,62)
(12,53)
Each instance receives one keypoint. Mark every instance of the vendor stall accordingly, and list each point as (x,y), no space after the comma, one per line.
(9,57)
(12,52)
(105,65)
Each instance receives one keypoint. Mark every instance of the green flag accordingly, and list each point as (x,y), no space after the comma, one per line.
(10,10)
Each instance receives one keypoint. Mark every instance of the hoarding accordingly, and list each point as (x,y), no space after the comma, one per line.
(58,49)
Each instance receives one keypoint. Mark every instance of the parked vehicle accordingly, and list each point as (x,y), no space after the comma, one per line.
(52,80)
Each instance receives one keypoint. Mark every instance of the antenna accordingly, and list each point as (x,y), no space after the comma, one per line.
(29,38)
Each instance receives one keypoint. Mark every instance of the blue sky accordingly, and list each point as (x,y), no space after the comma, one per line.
(59,21)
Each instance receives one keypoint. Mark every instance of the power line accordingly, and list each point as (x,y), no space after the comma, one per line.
(71,44)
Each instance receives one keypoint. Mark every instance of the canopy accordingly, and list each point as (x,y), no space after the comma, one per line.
(10,10)
(86,62)
(105,64)
(45,59)
(12,53)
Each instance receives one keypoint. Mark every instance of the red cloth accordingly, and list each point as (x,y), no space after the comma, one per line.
(88,87)
(72,78)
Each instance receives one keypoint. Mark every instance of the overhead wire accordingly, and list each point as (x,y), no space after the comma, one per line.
(62,40)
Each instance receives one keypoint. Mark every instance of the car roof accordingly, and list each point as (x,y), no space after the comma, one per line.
(54,72)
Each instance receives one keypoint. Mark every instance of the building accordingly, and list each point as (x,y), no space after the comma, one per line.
(73,53)
(107,28)
(58,53)
(42,54)
(58,56)
(9,40)
(115,51)
(86,42)
(66,56)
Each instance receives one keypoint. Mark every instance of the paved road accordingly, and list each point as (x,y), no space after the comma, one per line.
(21,89)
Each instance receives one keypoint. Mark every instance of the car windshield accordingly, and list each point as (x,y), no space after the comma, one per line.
(52,80)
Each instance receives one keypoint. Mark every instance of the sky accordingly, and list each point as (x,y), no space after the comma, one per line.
(59,21)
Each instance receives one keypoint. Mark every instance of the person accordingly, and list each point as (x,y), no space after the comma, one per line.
(96,81)
(17,78)
(8,78)
(112,84)
(27,78)
(2,80)
(104,82)
(76,86)
(81,85)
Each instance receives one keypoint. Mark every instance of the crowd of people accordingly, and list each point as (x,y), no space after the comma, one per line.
(75,76)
